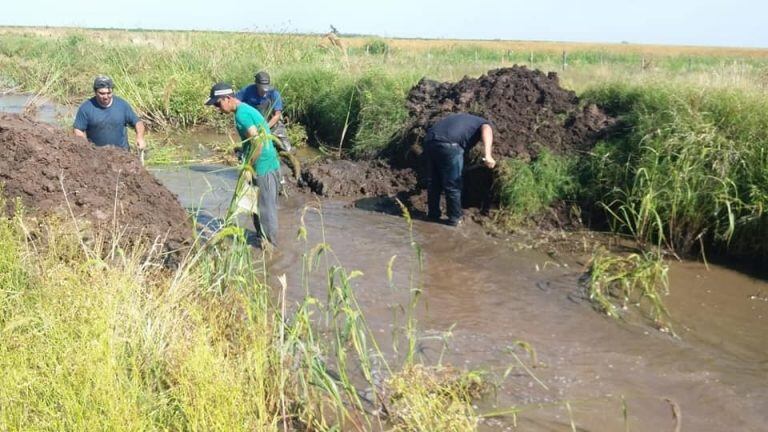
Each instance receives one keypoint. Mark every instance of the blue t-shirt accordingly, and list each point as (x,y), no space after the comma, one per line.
(270,102)
(462,129)
(106,126)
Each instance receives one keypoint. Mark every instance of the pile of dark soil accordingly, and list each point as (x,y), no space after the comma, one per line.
(529,111)
(46,167)
(344,178)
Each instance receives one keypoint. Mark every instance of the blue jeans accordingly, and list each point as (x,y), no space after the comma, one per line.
(445,162)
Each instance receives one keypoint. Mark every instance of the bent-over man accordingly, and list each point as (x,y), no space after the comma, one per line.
(444,147)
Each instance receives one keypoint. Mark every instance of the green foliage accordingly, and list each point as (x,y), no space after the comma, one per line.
(525,189)
(615,282)
(689,168)
(376,46)
(358,112)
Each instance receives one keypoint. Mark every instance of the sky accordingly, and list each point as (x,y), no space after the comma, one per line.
(735,23)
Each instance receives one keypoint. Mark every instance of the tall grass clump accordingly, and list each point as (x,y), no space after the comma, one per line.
(376,47)
(358,114)
(527,188)
(689,167)
(639,279)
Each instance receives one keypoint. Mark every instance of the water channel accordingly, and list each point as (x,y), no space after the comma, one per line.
(491,294)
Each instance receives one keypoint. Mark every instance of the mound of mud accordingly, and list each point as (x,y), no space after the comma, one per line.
(529,111)
(344,178)
(46,167)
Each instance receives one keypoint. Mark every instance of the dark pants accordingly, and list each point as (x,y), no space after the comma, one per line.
(265,221)
(445,162)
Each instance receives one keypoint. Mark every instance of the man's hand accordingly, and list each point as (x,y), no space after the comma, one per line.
(489,161)
(140,144)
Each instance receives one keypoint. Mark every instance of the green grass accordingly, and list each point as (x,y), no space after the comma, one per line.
(638,279)
(688,169)
(351,99)
(526,189)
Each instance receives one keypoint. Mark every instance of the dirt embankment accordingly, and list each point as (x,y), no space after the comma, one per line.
(49,169)
(529,111)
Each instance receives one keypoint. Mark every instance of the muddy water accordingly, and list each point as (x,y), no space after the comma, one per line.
(42,109)
(715,375)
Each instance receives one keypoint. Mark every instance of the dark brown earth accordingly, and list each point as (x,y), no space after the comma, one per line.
(50,171)
(357,178)
(529,111)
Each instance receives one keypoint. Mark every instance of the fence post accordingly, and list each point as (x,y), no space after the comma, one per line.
(565,60)
(530,58)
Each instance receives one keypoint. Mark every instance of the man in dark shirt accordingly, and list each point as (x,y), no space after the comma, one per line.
(265,98)
(444,148)
(102,118)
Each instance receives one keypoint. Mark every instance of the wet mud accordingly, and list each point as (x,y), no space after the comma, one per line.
(51,171)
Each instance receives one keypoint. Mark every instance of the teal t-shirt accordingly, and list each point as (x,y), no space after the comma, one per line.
(245,117)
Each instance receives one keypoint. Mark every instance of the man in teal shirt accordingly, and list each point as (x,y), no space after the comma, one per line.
(254,131)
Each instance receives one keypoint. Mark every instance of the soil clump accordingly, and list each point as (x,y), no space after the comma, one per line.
(529,110)
(52,171)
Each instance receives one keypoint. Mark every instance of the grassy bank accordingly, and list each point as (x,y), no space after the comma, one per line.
(687,169)
(695,113)
(349,95)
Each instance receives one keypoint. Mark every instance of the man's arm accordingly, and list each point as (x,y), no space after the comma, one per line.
(486,136)
(277,108)
(256,144)
(276,116)
(140,135)
(80,124)
(80,134)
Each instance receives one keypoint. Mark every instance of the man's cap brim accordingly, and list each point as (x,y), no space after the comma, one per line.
(218,94)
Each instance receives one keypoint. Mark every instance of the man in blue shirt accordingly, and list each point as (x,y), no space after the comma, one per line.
(444,147)
(102,118)
(265,98)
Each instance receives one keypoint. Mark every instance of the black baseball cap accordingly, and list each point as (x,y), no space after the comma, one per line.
(218,91)
(103,81)
(262,81)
